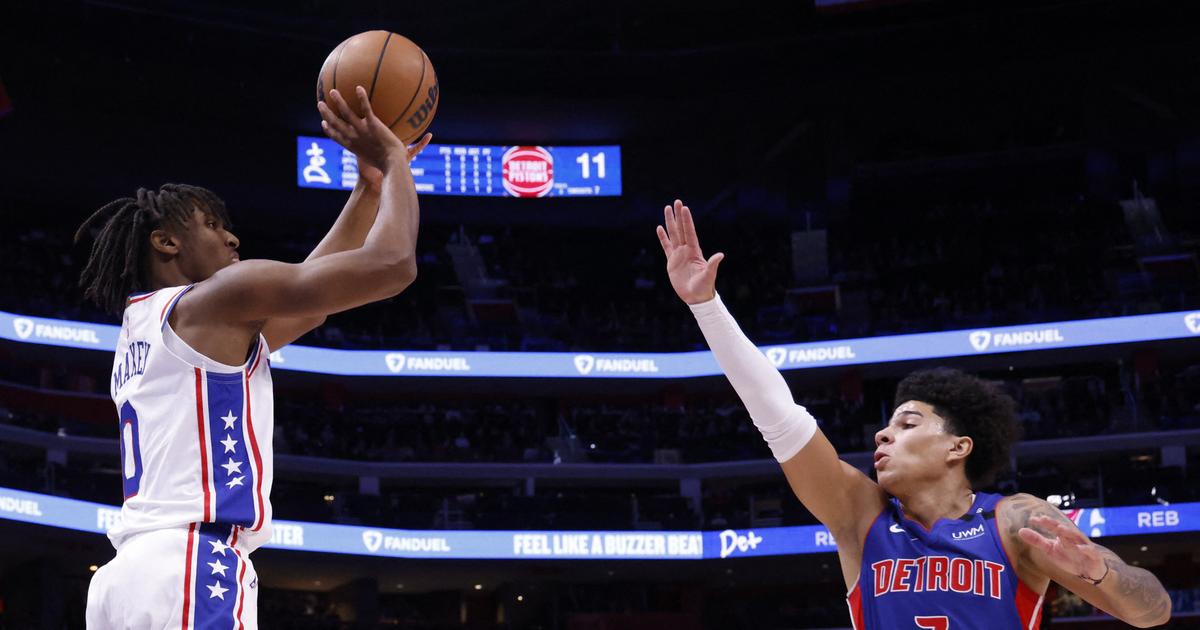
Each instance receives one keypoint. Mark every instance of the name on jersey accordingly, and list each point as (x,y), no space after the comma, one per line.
(937,574)
(133,364)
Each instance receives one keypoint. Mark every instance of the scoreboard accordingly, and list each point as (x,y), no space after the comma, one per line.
(476,170)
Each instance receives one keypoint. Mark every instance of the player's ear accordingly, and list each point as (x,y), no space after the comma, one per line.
(164,242)
(960,448)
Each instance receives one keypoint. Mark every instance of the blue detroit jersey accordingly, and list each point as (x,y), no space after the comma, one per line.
(954,576)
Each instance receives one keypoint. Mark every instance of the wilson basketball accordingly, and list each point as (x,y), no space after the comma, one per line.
(398,77)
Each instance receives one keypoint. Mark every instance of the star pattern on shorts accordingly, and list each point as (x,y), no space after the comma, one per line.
(218,547)
(229,443)
(229,419)
(232,467)
(218,568)
(216,590)
(236,481)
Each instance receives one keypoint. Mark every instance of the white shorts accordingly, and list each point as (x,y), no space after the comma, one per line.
(176,579)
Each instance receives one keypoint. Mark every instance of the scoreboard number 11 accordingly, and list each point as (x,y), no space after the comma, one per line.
(584,161)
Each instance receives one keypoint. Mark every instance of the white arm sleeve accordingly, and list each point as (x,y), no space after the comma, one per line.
(785,425)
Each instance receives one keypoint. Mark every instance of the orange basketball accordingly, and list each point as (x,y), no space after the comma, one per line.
(396,73)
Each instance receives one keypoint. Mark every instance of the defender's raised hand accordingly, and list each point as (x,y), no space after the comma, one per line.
(1065,547)
(693,278)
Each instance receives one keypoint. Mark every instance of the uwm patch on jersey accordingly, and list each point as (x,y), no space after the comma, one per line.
(955,575)
(195,434)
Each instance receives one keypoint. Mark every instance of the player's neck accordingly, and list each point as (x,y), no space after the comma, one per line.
(162,276)
(950,499)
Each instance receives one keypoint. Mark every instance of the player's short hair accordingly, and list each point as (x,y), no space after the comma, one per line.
(116,266)
(972,408)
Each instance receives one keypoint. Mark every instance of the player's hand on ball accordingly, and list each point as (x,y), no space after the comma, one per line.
(373,177)
(692,277)
(415,149)
(365,136)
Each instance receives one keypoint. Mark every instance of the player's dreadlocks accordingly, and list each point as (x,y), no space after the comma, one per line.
(117,265)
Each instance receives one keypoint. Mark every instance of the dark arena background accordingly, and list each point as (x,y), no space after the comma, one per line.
(520,439)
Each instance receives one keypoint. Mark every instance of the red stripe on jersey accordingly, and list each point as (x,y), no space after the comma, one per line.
(187,576)
(1028,601)
(854,600)
(203,441)
(241,577)
(854,597)
(258,469)
(1029,606)
(257,358)
(140,298)
(171,301)
(241,591)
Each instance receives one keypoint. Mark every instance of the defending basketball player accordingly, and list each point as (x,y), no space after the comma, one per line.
(920,548)
(192,381)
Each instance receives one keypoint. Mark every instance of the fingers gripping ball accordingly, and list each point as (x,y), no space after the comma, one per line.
(398,76)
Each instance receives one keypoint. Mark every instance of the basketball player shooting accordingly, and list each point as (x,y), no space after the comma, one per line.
(920,548)
(191,378)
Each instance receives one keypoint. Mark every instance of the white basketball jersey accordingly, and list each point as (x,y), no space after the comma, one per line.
(195,434)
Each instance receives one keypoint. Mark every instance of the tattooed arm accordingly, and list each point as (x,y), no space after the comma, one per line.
(1048,544)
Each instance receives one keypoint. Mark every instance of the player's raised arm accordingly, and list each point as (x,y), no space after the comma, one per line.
(257,290)
(838,494)
(348,232)
(1049,543)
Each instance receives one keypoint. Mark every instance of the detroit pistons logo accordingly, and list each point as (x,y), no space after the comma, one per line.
(527,171)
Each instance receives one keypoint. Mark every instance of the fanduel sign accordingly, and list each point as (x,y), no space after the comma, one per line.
(982,340)
(13,505)
(1192,321)
(26,328)
(587,364)
(375,541)
(398,362)
(782,357)
(661,365)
